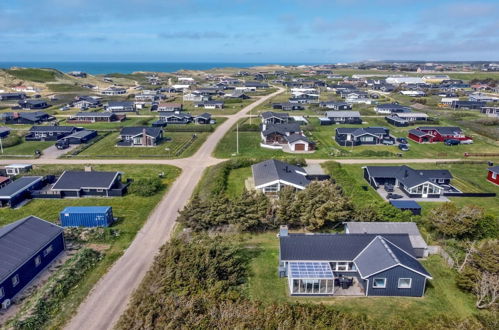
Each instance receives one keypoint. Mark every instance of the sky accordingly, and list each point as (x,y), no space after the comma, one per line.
(271,31)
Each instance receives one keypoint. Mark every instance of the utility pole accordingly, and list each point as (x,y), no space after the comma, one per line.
(1,145)
(237,139)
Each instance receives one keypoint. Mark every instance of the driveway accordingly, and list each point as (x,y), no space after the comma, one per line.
(52,152)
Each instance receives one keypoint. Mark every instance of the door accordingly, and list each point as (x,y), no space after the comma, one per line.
(425,191)
(299,147)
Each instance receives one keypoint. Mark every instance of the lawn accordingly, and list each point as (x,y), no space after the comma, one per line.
(131,210)
(25,149)
(442,295)
(36,75)
(236,181)
(63,88)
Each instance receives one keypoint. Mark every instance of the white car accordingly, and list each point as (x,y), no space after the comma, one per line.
(467,141)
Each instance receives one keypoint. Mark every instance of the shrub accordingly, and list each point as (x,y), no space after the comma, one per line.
(146,187)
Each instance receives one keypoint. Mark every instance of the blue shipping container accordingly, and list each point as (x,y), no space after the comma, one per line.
(86,216)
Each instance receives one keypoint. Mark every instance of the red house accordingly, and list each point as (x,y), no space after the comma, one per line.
(433,134)
(493,175)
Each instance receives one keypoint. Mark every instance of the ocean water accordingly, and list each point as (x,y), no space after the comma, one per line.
(129,67)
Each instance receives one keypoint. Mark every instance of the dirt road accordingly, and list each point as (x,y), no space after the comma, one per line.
(109,297)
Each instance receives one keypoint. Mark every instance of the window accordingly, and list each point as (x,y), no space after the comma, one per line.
(47,251)
(38,261)
(405,283)
(342,266)
(86,190)
(379,283)
(2,292)
(494,175)
(15,280)
(100,190)
(441,180)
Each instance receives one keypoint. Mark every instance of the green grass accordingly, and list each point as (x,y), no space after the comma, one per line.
(131,210)
(236,179)
(106,148)
(36,75)
(65,88)
(25,149)
(442,295)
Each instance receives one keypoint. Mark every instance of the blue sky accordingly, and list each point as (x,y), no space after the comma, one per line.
(277,31)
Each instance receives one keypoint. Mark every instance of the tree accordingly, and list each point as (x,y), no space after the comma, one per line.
(486,290)
(287,212)
(452,221)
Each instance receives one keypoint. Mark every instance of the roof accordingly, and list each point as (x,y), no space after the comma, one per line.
(205,115)
(66,129)
(120,104)
(342,114)
(409,228)
(136,130)
(172,105)
(18,165)
(409,177)
(86,209)
(443,130)
(20,240)
(18,185)
(297,137)
(405,204)
(4,179)
(417,132)
(281,128)
(270,114)
(381,254)
(80,134)
(362,130)
(94,114)
(310,270)
(494,169)
(76,180)
(272,170)
(332,247)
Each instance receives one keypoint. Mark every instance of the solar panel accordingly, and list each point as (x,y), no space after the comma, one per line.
(310,270)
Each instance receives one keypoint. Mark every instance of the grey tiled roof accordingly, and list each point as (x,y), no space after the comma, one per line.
(20,240)
(62,129)
(281,128)
(76,180)
(443,130)
(406,175)
(494,169)
(18,185)
(136,130)
(272,170)
(270,114)
(342,114)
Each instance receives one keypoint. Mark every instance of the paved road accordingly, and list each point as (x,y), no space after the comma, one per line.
(109,297)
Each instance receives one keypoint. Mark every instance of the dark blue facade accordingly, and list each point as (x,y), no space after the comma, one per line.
(392,276)
(30,270)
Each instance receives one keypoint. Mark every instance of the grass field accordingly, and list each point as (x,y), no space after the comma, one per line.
(66,88)
(441,297)
(25,149)
(236,179)
(36,75)
(131,210)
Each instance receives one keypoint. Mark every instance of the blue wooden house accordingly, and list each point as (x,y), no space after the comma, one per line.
(27,247)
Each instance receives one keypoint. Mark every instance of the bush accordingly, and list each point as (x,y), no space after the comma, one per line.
(12,140)
(146,187)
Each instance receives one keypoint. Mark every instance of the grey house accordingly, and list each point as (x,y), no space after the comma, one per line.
(120,106)
(137,136)
(270,117)
(272,175)
(410,228)
(49,133)
(19,190)
(411,182)
(351,136)
(30,118)
(333,105)
(89,183)
(350,264)
(175,118)
(343,117)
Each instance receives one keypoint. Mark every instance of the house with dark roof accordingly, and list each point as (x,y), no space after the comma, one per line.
(493,174)
(27,247)
(470,105)
(136,136)
(86,102)
(286,106)
(30,118)
(49,133)
(351,136)
(210,104)
(418,244)
(403,119)
(4,180)
(289,136)
(334,105)
(407,205)
(88,183)
(343,117)
(33,104)
(120,106)
(4,132)
(389,108)
(175,118)
(432,134)
(95,117)
(19,190)
(350,264)
(204,118)
(269,117)
(413,183)
(12,96)
(169,107)
(78,137)
(111,91)
(272,175)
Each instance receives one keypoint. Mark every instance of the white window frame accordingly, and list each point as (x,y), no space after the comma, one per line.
(405,287)
(2,292)
(441,180)
(38,261)
(494,175)
(100,190)
(379,287)
(15,280)
(48,250)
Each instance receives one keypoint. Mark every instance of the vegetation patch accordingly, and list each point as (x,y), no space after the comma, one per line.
(35,75)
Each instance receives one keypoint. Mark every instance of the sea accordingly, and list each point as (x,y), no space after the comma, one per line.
(129,67)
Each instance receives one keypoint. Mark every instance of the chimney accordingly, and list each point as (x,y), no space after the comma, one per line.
(283,231)
(144,137)
(88,168)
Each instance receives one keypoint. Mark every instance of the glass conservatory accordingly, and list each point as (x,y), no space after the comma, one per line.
(309,278)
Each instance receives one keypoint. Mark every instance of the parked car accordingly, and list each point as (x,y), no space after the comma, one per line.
(404,147)
(394,196)
(470,141)
(402,140)
(388,142)
(452,142)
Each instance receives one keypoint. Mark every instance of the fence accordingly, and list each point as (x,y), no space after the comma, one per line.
(434,249)
(470,194)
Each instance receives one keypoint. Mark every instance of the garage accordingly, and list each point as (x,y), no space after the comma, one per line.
(299,147)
